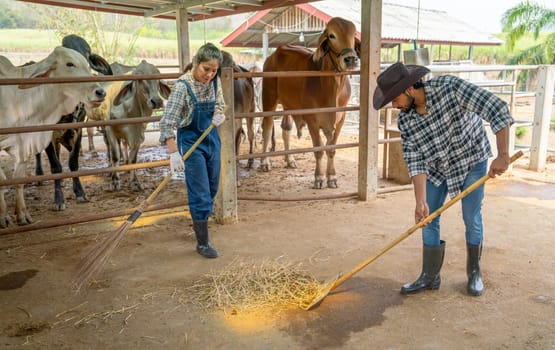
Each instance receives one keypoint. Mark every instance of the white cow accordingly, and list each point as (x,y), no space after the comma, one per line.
(130,99)
(39,105)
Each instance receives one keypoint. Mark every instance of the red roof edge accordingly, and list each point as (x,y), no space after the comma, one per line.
(311,10)
(243,27)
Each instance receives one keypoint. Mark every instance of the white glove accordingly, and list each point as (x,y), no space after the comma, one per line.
(218,118)
(176,163)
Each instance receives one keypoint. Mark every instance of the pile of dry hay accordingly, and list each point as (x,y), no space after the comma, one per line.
(247,286)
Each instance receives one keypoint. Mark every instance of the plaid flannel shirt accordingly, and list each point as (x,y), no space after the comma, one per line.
(179,108)
(451,139)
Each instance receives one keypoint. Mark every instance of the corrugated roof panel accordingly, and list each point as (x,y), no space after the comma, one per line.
(399,24)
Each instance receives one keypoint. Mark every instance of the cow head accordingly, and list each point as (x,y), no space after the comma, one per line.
(64,62)
(148,91)
(339,42)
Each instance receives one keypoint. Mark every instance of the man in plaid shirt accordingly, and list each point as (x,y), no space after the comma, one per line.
(446,149)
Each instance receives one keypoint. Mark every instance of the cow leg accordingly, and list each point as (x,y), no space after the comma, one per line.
(250,135)
(332,137)
(317,142)
(273,148)
(80,195)
(330,170)
(238,136)
(56,168)
(123,151)
(132,159)
(38,167)
(90,138)
(286,126)
(114,154)
(267,129)
(107,144)
(22,216)
(5,219)
(269,103)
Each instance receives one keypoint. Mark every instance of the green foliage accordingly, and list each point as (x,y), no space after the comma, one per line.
(27,40)
(116,45)
(115,37)
(520,132)
(14,15)
(530,17)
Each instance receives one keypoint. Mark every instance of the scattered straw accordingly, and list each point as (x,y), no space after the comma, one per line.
(247,286)
(104,315)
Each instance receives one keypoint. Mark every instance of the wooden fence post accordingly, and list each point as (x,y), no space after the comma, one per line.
(542,115)
(225,203)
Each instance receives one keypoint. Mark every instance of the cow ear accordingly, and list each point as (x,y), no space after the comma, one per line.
(164,90)
(42,70)
(126,88)
(322,47)
(99,64)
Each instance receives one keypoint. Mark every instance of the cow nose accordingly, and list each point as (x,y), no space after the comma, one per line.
(351,61)
(156,102)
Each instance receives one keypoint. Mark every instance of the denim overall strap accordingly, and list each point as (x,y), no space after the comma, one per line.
(202,111)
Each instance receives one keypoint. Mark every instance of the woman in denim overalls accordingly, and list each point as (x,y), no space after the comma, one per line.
(197,101)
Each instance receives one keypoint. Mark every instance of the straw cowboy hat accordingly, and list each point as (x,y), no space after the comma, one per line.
(394,80)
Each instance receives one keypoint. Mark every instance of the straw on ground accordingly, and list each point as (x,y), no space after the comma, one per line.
(248,286)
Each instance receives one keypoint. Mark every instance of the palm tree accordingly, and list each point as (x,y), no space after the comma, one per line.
(526,17)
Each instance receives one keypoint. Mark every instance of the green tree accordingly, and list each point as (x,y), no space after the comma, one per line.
(112,36)
(14,15)
(530,17)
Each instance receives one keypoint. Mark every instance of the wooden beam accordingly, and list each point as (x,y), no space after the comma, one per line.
(183,44)
(542,116)
(371,26)
(225,203)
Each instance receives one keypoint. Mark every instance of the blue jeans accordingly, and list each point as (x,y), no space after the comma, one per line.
(202,176)
(471,208)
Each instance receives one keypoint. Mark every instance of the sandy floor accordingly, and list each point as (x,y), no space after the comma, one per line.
(139,300)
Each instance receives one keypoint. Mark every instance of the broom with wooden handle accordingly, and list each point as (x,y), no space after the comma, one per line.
(95,259)
(335,282)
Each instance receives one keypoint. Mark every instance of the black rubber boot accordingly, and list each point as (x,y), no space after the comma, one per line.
(475,285)
(432,260)
(203,244)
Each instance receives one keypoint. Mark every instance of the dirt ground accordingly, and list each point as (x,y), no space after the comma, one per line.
(139,300)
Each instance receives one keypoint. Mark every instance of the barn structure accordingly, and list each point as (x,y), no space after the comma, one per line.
(147,297)
(191,10)
(301,24)
(368,17)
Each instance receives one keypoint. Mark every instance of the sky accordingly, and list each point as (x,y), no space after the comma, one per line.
(482,14)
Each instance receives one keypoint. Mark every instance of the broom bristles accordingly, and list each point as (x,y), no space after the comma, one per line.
(97,257)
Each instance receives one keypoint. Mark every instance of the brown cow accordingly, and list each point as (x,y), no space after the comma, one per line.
(337,51)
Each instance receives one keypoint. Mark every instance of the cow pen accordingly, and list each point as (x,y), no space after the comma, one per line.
(538,149)
(145,298)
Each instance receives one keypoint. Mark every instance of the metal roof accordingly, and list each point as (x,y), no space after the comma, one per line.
(196,9)
(399,25)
